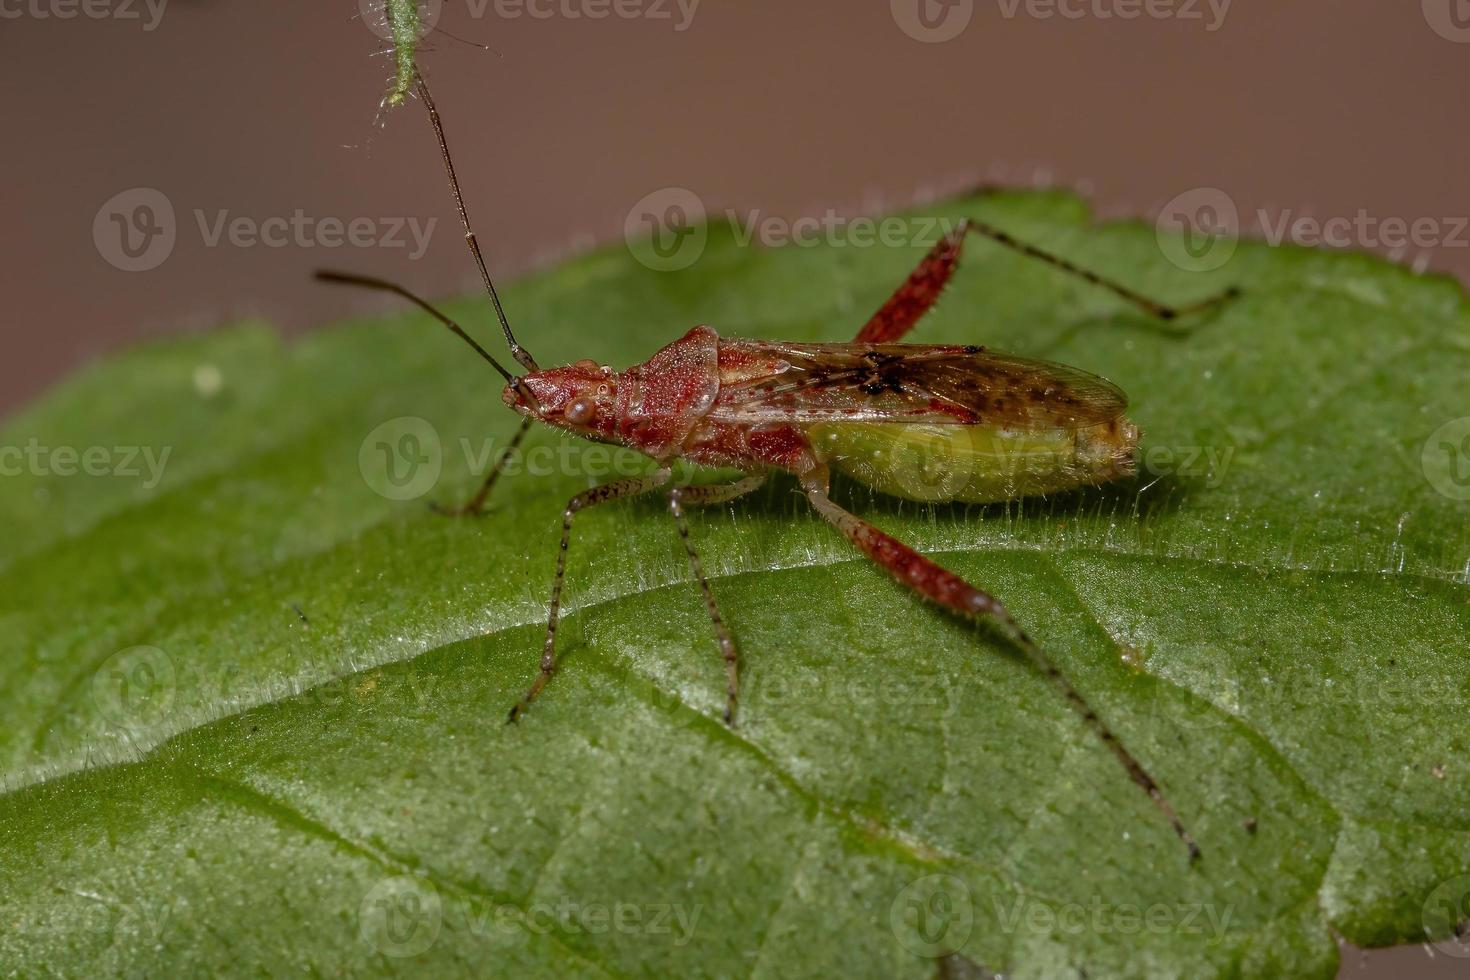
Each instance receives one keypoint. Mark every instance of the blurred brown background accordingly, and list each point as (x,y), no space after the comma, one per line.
(1323,109)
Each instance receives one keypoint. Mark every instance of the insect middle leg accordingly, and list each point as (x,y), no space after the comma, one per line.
(918,294)
(949,590)
(616,490)
(701,496)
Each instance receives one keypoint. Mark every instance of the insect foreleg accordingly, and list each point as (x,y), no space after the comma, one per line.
(951,591)
(476,504)
(699,496)
(616,490)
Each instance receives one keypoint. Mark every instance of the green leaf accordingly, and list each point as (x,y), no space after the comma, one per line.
(253,709)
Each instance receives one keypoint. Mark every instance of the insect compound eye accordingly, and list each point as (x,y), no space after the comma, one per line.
(580,411)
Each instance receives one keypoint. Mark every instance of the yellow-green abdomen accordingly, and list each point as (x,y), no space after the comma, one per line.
(974,463)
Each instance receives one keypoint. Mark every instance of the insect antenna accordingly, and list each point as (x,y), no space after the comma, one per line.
(372,282)
(522,356)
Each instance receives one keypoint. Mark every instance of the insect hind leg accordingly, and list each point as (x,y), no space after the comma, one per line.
(949,590)
(919,293)
(1151,306)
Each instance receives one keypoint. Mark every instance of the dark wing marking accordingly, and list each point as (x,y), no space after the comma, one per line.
(917,383)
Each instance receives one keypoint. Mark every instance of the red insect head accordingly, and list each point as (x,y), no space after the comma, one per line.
(651,407)
(572,397)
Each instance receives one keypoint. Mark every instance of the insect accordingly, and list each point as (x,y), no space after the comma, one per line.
(402,21)
(921,421)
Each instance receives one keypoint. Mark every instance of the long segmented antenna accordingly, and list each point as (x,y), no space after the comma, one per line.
(372,282)
(522,356)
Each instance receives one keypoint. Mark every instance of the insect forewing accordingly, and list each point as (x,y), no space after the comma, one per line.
(918,383)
